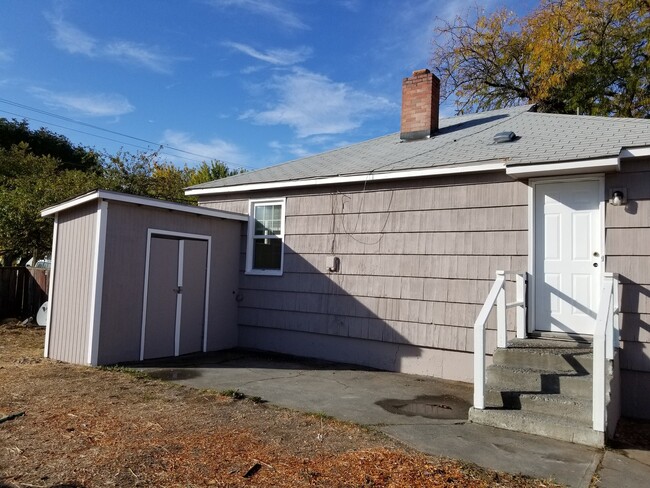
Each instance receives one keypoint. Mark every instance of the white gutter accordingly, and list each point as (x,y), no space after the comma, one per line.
(566,168)
(146,202)
(335,180)
(634,152)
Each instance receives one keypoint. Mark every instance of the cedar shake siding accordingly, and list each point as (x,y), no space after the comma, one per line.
(628,253)
(73,281)
(417,260)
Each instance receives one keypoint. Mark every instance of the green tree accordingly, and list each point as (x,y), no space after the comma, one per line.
(590,56)
(43,142)
(28,184)
(146,174)
(214,170)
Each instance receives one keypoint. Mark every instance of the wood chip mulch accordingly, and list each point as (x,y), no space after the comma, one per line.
(85,427)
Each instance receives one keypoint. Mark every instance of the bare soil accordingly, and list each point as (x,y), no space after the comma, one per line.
(87,427)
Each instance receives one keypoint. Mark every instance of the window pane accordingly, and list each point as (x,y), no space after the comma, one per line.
(267,253)
(268,220)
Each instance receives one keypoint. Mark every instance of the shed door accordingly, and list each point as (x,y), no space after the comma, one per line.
(568,256)
(193,296)
(176,294)
(160,326)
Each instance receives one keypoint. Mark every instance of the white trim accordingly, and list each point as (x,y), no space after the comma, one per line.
(207,295)
(50,294)
(98,282)
(634,152)
(145,294)
(532,183)
(251,230)
(158,232)
(335,180)
(530,289)
(179,297)
(566,168)
(147,202)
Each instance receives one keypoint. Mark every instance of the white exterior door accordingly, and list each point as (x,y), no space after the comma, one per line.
(568,260)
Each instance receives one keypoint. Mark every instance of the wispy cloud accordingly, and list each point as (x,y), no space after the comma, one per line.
(313,104)
(266,8)
(70,38)
(215,148)
(280,57)
(5,56)
(296,150)
(92,105)
(139,54)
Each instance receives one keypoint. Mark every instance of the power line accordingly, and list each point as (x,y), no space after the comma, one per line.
(147,148)
(92,126)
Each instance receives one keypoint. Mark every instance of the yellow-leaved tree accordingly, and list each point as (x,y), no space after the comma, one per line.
(567,56)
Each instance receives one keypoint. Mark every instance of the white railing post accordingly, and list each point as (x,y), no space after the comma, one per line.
(479,339)
(479,366)
(615,310)
(521,309)
(600,354)
(502,332)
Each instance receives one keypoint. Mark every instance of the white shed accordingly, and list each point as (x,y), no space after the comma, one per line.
(136,278)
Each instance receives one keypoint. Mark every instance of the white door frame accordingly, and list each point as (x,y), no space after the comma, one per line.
(532,184)
(180,235)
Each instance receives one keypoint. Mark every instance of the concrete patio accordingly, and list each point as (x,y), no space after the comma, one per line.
(425,413)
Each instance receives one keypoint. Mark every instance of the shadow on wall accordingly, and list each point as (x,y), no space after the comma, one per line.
(365,313)
(635,358)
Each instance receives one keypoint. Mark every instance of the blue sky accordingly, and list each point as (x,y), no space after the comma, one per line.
(250,82)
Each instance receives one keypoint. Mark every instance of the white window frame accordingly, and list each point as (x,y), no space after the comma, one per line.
(251,231)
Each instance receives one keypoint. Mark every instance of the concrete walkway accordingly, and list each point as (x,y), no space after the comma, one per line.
(425,413)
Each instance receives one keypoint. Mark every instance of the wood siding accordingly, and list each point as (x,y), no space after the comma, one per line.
(417,259)
(125,268)
(628,253)
(72,287)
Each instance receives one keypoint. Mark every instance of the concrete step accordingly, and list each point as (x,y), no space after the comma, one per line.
(577,409)
(528,380)
(546,355)
(555,427)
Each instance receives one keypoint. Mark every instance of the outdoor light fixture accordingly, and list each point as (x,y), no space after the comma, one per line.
(618,197)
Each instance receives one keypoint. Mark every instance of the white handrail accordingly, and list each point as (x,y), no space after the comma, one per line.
(606,337)
(497,296)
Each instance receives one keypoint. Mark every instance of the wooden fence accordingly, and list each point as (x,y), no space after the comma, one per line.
(22,291)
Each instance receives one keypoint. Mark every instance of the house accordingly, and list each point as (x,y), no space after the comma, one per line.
(383,254)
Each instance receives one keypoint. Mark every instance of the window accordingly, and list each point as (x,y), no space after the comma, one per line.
(265,251)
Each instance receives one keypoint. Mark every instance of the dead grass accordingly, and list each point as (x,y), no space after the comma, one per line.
(87,427)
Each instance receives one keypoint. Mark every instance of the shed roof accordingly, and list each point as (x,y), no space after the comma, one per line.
(142,201)
(461,142)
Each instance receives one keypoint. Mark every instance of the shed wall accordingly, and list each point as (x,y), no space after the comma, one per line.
(628,253)
(72,287)
(124,274)
(417,261)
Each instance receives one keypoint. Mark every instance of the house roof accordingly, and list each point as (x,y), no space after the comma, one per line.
(464,143)
(142,201)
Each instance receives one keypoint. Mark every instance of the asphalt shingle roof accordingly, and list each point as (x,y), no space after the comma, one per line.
(541,138)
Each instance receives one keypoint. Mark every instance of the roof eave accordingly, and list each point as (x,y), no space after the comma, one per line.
(143,201)
(357,178)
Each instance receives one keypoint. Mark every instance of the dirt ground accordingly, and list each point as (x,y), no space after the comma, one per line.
(86,427)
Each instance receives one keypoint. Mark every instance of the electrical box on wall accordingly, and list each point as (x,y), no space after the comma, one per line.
(332,263)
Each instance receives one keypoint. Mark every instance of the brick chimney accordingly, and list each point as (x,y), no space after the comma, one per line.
(420,100)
